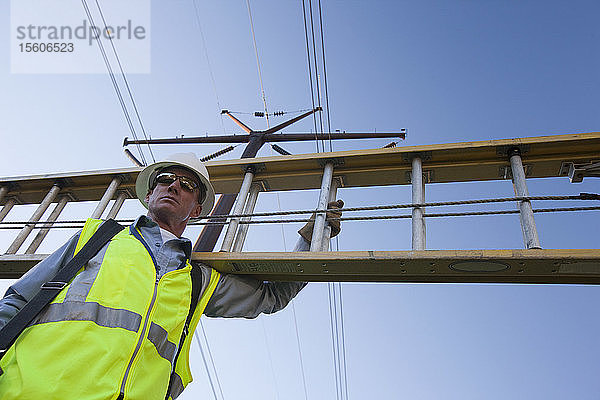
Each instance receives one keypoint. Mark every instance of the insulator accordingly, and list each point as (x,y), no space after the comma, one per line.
(280,150)
(390,145)
(259,114)
(217,154)
(278,113)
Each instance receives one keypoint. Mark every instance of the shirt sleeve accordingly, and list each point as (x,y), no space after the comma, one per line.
(19,293)
(247,297)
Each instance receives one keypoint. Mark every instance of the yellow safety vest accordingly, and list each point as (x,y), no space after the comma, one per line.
(112,333)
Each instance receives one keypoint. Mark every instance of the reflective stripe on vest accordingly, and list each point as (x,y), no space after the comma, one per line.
(159,338)
(103,330)
(89,311)
(183,373)
(177,387)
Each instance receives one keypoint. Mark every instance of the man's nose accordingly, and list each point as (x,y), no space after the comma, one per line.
(175,186)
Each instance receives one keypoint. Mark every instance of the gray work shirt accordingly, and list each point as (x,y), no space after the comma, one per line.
(234,296)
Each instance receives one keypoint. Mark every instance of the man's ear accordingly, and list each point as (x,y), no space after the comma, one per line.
(148,195)
(196,211)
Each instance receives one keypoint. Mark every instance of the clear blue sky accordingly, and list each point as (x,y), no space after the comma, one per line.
(447,71)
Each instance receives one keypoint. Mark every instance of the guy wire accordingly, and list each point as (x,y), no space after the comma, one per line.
(343,339)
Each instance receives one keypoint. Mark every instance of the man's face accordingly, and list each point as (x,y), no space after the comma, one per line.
(168,202)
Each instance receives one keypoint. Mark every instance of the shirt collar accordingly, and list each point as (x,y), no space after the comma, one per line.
(184,243)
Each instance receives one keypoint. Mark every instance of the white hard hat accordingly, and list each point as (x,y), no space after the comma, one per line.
(185,160)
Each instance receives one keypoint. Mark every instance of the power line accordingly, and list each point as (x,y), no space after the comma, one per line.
(209,364)
(125,79)
(264,98)
(342,350)
(114,81)
(210,71)
(325,77)
(270,357)
(343,336)
(312,95)
(336,313)
(312,28)
(299,350)
(333,322)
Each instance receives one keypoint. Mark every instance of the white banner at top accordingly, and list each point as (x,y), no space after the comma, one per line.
(79,36)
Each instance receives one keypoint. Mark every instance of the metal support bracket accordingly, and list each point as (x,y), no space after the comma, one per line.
(264,186)
(506,171)
(504,151)
(335,161)
(64,182)
(577,172)
(254,168)
(68,195)
(427,176)
(15,198)
(423,155)
(340,179)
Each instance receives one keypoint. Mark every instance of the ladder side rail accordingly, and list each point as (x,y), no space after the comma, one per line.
(530,235)
(255,189)
(37,214)
(316,243)
(7,207)
(107,197)
(237,209)
(41,235)
(418,197)
(116,207)
(335,184)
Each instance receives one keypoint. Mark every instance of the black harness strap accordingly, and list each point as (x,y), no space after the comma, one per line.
(196,276)
(49,290)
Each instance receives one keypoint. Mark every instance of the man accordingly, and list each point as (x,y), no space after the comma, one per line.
(119,329)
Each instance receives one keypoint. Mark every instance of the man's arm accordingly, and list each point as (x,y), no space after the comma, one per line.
(19,293)
(242,296)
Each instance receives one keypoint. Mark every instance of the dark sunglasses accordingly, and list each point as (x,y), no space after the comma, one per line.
(168,178)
